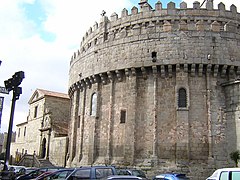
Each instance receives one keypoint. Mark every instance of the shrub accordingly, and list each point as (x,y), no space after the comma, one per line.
(235,156)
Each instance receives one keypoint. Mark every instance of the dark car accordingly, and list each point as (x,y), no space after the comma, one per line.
(93,172)
(131,172)
(59,174)
(171,176)
(36,173)
(17,170)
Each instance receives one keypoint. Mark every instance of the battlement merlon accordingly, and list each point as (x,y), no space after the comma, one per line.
(159,16)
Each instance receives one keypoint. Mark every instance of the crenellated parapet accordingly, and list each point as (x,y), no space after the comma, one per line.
(148,20)
(158,37)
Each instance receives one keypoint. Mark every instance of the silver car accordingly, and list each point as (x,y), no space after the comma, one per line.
(225,174)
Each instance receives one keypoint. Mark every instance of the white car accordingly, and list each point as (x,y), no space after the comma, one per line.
(225,174)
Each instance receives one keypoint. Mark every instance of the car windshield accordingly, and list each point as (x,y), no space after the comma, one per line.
(181,176)
(81,174)
(215,173)
(138,173)
(103,172)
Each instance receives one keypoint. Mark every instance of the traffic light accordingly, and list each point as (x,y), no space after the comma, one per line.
(15,81)
(9,84)
(17,78)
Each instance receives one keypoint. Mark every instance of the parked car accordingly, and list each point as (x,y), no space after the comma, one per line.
(30,169)
(131,172)
(60,174)
(37,172)
(171,176)
(93,172)
(225,174)
(119,177)
(17,170)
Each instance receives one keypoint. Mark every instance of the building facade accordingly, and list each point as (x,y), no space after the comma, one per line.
(158,89)
(45,131)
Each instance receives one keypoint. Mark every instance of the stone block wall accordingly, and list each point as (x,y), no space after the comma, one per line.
(58,151)
(136,66)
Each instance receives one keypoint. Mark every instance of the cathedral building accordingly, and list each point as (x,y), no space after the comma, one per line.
(158,89)
(45,132)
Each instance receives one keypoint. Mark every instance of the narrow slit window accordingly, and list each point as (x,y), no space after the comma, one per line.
(123,116)
(19,130)
(79,118)
(154,56)
(182,98)
(35,111)
(25,129)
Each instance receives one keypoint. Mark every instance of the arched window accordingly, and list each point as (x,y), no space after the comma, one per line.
(182,98)
(93,104)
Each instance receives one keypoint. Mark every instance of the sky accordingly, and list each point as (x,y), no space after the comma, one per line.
(40,36)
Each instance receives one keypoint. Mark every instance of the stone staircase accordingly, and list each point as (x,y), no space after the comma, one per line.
(33,161)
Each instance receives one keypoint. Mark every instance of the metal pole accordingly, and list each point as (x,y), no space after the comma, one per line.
(9,135)
(11,84)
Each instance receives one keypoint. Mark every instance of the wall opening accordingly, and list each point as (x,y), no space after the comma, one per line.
(93,110)
(123,116)
(154,56)
(182,98)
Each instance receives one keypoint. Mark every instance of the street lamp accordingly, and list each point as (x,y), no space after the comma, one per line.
(12,85)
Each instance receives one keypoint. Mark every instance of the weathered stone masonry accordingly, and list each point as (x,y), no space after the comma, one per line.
(158,89)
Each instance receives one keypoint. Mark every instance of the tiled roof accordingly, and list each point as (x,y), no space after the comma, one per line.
(54,94)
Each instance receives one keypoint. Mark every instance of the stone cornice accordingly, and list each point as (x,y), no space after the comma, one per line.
(215,70)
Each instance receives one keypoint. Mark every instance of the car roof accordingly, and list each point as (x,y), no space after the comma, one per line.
(17,166)
(170,174)
(123,177)
(94,167)
(216,172)
(228,169)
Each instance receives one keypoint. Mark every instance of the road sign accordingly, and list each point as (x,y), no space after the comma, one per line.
(1,102)
(3,90)
(1,107)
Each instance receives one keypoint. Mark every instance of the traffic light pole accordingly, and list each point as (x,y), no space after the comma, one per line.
(9,135)
(11,84)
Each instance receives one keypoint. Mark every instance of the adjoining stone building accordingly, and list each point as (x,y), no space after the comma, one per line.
(45,132)
(158,89)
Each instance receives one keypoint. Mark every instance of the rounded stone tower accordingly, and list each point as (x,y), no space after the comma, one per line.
(158,89)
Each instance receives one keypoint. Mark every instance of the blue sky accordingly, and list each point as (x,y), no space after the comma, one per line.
(36,12)
(40,36)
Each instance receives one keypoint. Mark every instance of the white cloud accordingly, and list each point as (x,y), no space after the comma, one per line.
(45,64)
(70,21)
